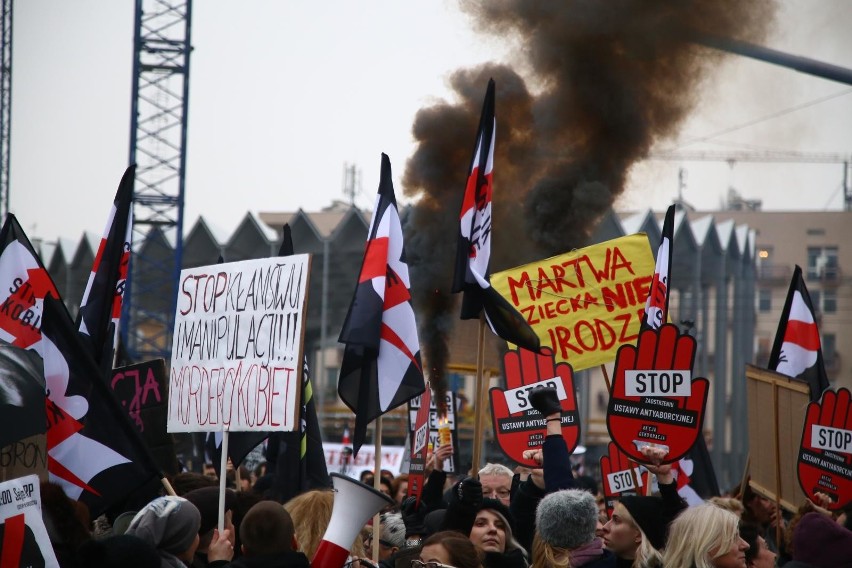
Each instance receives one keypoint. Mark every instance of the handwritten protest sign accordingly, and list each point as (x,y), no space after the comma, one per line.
(23,537)
(586,303)
(237,347)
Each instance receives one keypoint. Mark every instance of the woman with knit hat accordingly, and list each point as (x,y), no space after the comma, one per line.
(487,523)
(565,532)
(636,533)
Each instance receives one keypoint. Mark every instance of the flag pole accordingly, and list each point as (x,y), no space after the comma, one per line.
(606,378)
(223,464)
(480,398)
(377,485)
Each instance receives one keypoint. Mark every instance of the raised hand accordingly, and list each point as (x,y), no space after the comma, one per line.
(517,425)
(653,402)
(825,454)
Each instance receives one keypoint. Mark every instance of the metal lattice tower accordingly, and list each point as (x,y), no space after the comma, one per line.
(5,104)
(158,147)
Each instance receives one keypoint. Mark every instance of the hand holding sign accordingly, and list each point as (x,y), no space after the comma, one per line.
(655,401)
(517,425)
(825,456)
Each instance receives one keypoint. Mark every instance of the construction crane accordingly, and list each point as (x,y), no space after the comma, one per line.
(158,127)
(5,103)
(765,156)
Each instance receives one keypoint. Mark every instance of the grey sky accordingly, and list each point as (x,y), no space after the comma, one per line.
(283,93)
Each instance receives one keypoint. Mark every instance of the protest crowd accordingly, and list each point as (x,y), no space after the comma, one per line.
(547,517)
(109,505)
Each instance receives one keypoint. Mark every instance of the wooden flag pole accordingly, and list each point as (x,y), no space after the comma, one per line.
(606,378)
(223,465)
(377,485)
(481,390)
(168,487)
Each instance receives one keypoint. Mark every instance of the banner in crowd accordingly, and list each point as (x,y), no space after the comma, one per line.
(418,453)
(441,430)
(586,303)
(340,459)
(517,426)
(825,454)
(23,537)
(237,346)
(142,391)
(655,399)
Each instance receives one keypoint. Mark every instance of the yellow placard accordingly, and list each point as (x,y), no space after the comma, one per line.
(586,303)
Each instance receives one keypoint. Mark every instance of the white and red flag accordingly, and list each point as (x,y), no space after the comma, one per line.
(657,304)
(100,308)
(93,451)
(381,367)
(474,245)
(24,282)
(797,351)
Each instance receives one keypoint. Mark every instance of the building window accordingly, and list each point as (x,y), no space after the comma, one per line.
(829,349)
(816,300)
(816,232)
(764,299)
(822,263)
(829,301)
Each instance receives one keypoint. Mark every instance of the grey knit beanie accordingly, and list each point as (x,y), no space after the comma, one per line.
(567,519)
(393,529)
(168,523)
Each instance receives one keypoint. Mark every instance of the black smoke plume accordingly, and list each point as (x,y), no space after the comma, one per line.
(598,82)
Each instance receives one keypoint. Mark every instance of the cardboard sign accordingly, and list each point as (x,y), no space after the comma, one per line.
(776,417)
(663,417)
(237,347)
(586,303)
(339,458)
(619,475)
(23,537)
(419,445)
(142,391)
(825,454)
(27,456)
(519,427)
(436,428)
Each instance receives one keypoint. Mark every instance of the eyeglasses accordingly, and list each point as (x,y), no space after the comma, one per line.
(430,564)
(368,541)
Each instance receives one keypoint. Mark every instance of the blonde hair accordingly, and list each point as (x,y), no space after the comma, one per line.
(311,512)
(729,504)
(545,555)
(697,532)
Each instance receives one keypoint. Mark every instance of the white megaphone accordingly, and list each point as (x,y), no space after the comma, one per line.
(354,504)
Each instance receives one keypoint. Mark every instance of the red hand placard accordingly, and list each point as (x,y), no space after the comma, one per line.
(825,455)
(670,421)
(617,477)
(522,428)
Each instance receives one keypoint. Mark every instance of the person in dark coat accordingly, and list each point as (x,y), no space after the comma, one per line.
(555,473)
(268,541)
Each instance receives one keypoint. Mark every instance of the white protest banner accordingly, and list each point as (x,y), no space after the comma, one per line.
(23,536)
(339,459)
(237,347)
